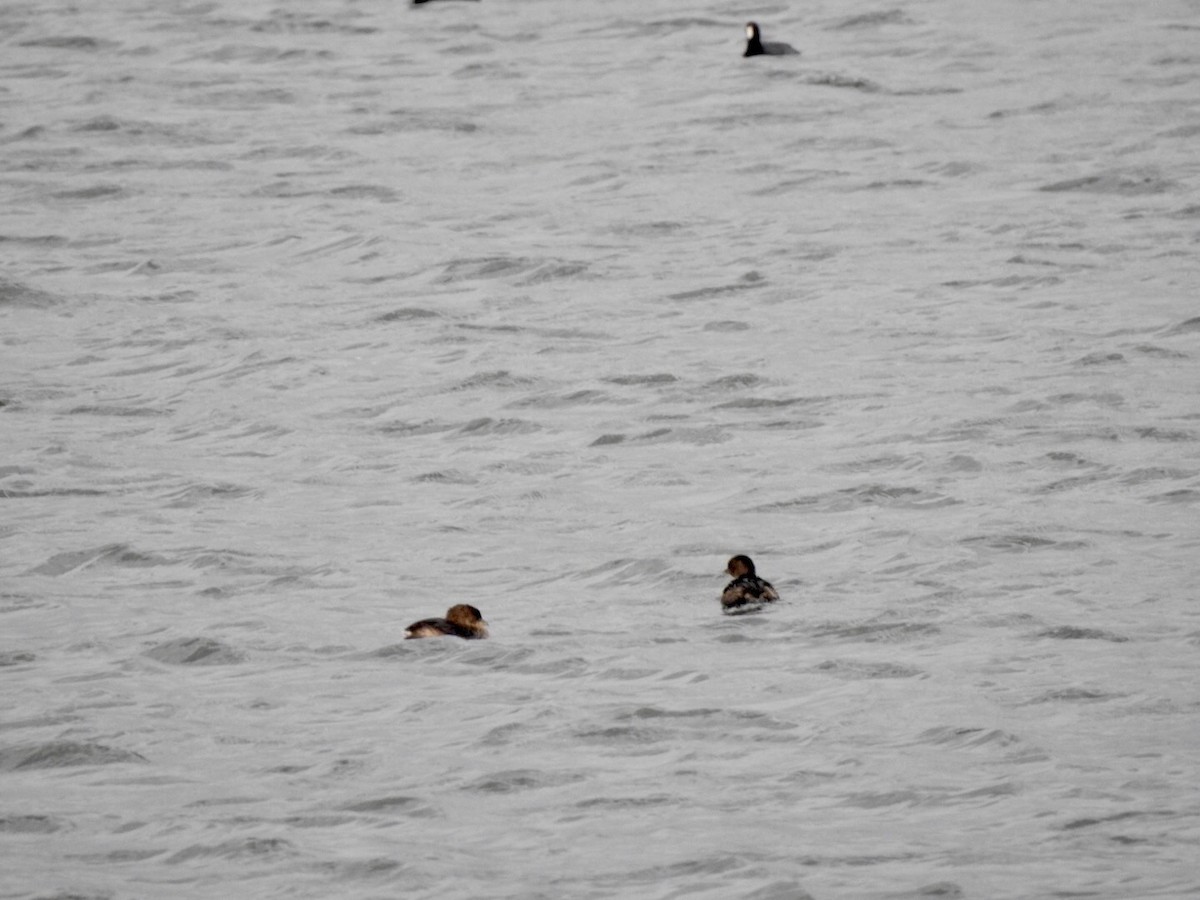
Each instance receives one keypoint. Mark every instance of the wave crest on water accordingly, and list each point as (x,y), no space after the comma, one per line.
(192,651)
(60,754)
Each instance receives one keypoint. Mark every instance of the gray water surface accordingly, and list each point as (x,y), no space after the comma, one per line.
(318,317)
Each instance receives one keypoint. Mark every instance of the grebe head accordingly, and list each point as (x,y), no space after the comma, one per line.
(740,566)
(464,614)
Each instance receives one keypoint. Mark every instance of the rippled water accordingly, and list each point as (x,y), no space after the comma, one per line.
(319,317)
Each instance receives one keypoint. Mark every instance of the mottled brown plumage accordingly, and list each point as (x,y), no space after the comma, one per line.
(461,620)
(747,588)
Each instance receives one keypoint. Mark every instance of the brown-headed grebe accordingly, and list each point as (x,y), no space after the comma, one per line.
(746,589)
(461,621)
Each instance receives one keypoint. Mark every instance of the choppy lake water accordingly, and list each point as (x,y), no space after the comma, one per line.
(318,317)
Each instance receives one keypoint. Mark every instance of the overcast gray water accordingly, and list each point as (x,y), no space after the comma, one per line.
(317,317)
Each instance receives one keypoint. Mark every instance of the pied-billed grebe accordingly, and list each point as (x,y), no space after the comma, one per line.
(756,47)
(746,589)
(461,621)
